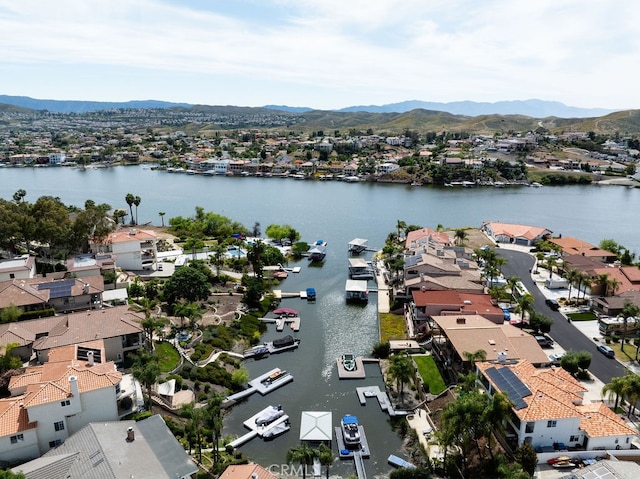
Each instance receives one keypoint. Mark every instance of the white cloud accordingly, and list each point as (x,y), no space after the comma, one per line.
(335,53)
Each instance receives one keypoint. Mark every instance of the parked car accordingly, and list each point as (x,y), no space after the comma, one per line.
(606,350)
(544,341)
(555,358)
(507,314)
(552,303)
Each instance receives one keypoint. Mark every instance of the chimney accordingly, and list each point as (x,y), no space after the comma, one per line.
(73,385)
(90,358)
(461,320)
(131,436)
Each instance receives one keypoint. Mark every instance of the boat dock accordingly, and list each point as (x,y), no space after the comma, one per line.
(261,384)
(305,294)
(359,372)
(345,453)
(261,431)
(381,396)
(286,343)
(294,322)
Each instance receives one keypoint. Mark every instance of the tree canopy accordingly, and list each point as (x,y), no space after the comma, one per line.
(186,283)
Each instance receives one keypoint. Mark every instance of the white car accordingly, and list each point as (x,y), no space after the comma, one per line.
(555,358)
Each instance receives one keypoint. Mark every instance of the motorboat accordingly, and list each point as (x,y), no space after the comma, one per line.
(275,430)
(273,377)
(318,251)
(350,431)
(257,352)
(269,415)
(349,362)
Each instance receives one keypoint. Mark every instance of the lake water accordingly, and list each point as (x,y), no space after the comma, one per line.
(336,212)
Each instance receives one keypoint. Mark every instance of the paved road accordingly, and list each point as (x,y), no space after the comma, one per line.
(563,332)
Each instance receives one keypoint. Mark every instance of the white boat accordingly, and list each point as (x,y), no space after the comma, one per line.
(349,362)
(498,184)
(535,184)
(276,430)
(269,415)
(350,431)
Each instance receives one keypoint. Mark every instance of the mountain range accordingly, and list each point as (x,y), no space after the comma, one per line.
(532,108)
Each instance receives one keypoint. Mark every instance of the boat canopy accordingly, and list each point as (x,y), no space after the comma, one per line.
(348,419)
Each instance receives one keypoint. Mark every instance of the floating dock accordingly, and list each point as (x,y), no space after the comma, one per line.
(280,323)
(381,396)
(261,431)
(261,384)
(345,453)
(359,372)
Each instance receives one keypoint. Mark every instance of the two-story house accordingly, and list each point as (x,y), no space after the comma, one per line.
(51,401)
(134,249)
(19,267)
(548,410)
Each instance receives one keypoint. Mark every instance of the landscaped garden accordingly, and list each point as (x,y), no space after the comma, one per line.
(430,373)
(168,356)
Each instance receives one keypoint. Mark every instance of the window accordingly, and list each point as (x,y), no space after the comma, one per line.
(17,438)
(64,403)
(59,426)
(574,438)
(529,427)
(552,423)
(55,443)
(12,276)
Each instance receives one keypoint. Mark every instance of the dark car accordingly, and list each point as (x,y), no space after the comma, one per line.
(552,303)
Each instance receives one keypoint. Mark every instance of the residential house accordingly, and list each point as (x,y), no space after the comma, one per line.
(116,450)
(386,168)
(118,328)
(549,410)
(18,267)
(613,305)
(38,294)
(467,333)
(418,238)
(573,246)
(86,265)
(52,401)
(515,233)
(134,249)
(245,471)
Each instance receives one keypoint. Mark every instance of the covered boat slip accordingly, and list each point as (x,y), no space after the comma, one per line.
(359,268)
(357,289)
(358,245)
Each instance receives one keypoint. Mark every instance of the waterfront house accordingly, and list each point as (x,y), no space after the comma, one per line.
(524,235)
(246,471)
(87,265)
(573,246)
(51,401)
(548,411)
(425,304)
(419,238)
(134,249)
(116,449)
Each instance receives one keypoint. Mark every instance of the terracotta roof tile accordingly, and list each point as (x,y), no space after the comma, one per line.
(14,417)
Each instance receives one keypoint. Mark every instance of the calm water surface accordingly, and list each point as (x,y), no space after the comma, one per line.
(335,212)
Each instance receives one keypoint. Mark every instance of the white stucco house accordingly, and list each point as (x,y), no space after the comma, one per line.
(134,249)
(19,267)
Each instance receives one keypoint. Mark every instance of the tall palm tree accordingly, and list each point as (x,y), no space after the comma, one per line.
(612,286)
(401,226)
(551,263)
(162,213)
(136,201)
(130,199)
(630,310)
(325,456)
(459,236)
(401,370)
(571,276)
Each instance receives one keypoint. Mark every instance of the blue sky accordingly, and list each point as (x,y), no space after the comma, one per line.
(323,54)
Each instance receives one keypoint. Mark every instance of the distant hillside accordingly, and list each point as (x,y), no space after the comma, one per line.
(289,109)
(532,108)
(74,106)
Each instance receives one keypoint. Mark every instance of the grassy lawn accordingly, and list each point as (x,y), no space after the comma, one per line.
(168,356)
(629,353)
(430,374)
(585,316)
(392,327)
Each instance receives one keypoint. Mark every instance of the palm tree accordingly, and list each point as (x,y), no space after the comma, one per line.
(401,370)
(616,387)
(612,285)
(213,422)
(301,454)
(130,199)
(136,201)
(193,426)
(525,305)
(551,262)
(460,235)
(478,355)
(572,276)
(495,415)
(400,227)
(325,456)
(146,370)
(512,281)
(162,213)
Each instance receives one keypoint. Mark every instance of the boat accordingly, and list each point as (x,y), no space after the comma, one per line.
(498,184)
(276,430)
(399,462)
(535,184)
(349,362)
(318,252)
(269,415)
(288,340)
(257,352)
(350,431)
(416,183)
(274,376)
(311,294)
(564,465)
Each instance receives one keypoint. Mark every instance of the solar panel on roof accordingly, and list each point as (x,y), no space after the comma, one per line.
(510,384)
(58,289)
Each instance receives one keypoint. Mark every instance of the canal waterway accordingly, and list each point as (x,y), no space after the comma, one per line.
(336,212)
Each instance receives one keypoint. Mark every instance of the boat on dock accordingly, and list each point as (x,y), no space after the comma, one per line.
(269,415)
(280,345)
(276,430)
(357,290)
(318,251)
(358,246)
(349,362)
(274,376)
(350,431)
(257,352)
(359,268)
(310,294)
